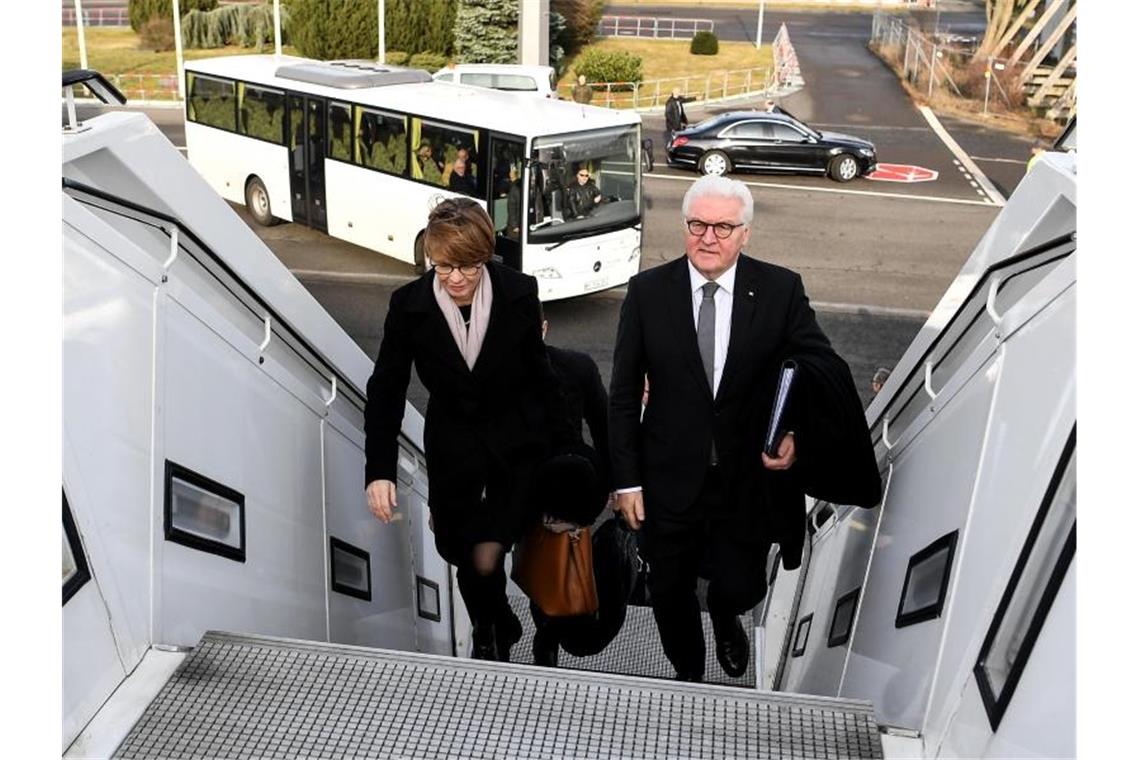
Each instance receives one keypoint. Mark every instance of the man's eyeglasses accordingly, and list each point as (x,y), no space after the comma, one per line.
(721,229)
(467,270)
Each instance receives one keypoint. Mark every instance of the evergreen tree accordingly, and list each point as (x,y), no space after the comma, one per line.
(487,31)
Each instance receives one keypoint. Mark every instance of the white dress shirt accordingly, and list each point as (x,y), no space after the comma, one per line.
(723,301)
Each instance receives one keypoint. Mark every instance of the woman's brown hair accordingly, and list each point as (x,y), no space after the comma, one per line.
(460,231)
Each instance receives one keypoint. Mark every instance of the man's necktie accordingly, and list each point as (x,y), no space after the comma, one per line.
(706,339)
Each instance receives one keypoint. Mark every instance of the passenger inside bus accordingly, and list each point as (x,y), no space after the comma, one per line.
(431,168)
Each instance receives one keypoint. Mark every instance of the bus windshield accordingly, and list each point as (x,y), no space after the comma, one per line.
(584,183)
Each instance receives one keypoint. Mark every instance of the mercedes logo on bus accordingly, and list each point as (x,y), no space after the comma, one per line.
(597,266)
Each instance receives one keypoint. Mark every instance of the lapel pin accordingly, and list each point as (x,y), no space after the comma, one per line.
(751,294)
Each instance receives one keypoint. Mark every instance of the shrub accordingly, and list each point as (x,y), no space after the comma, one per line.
(430,61)
(419,26)
(395,57)
(157,35)
(486,31)
(328,29)
(704,43)
(347,28)
(608,66)
(142,12)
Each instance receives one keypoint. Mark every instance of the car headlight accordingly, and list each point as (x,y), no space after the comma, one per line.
(548,273)
(867,152)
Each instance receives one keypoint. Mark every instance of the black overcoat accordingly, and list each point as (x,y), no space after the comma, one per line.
(485,428)
(667,452)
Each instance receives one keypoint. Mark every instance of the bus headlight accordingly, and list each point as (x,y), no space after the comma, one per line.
(548,273)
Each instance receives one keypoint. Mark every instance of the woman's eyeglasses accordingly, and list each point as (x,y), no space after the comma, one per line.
(467,270)
(721,229)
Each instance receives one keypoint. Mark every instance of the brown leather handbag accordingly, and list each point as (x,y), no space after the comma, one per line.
(556,570)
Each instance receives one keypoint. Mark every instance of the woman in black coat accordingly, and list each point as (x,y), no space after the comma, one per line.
(494,411)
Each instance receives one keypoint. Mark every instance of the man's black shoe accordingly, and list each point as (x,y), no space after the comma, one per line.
(508,630)
(545,648)
(694,677)
(483,643)
(731,645)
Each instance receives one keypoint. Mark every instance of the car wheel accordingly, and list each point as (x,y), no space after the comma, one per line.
(843,168)
(714,163)
(257,201)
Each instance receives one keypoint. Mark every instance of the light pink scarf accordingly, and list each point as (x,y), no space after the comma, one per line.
(469,339)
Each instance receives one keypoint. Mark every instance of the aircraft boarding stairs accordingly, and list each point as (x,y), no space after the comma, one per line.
(261,697)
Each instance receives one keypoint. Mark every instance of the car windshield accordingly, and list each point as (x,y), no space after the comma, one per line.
(583,183)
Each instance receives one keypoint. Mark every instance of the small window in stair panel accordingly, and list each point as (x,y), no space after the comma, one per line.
(427,599)
(803,630)
(926,582)
(1041,567)
(75,570)
(843,618)
(204,514)
(351,569)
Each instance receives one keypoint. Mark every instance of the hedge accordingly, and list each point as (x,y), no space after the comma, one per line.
(608,66)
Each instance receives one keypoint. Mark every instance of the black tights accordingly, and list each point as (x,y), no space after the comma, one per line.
(483,583)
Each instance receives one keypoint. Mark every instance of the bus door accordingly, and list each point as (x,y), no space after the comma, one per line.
(506,201)
(307,160)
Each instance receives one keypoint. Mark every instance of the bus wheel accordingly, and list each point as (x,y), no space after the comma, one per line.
(257,201)
(418,254)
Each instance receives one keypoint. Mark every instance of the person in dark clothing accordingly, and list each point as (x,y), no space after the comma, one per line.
(583,196)
(710,330)
(461,180)
(583,93)
(494,412)
(675,118)
(586,401)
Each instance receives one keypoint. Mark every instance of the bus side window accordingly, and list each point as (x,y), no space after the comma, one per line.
(340,138)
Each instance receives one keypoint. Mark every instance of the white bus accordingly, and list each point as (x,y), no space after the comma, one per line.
(361,151)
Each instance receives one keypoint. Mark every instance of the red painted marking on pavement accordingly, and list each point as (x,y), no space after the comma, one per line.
(902,173)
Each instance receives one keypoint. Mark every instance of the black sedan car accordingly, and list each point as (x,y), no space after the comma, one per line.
(769,142)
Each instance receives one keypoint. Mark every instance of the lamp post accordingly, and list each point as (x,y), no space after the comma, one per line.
(79,33)
(178,51)
(277,28)
(759,24)
(380,17)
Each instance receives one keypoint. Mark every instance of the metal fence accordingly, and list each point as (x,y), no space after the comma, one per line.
(98,17)
(931,65)
(714,86)
(147,87)
(652,28)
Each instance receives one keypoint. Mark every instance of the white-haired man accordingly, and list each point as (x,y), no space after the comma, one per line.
(709,330)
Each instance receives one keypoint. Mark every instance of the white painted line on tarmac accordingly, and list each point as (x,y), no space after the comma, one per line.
(999,160)
(960,154)
(807,189)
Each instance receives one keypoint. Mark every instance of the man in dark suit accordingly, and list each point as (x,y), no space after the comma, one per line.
(709,331)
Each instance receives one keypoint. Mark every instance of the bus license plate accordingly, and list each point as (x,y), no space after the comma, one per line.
(596,284)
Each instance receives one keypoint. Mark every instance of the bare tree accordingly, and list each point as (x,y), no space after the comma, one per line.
(1003,19)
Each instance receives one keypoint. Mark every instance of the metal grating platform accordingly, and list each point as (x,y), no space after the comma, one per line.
(636,650)
(259,697)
